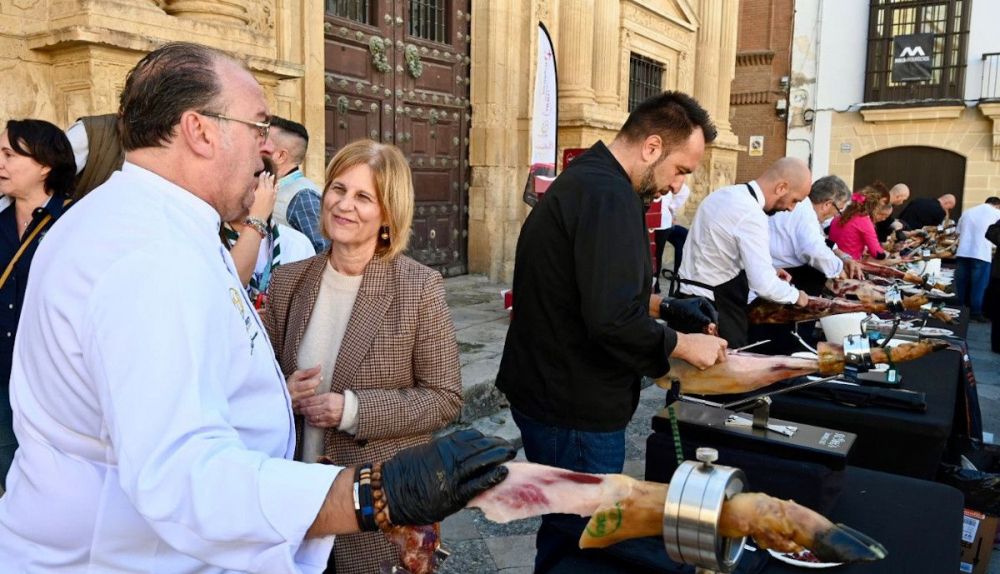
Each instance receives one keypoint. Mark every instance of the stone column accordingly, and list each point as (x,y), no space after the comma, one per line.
(727,63)
(228,11)
(715,66)
(607,22)
(495,207)
(709,43)
(575,52)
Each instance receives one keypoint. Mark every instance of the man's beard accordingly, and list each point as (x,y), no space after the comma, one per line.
(647,189)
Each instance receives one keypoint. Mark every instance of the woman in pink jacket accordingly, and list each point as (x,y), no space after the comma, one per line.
(854,230)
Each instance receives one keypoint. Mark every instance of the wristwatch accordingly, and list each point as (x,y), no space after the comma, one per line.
(258,225)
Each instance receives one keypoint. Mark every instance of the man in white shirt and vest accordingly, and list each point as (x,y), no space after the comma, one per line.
(797,242)
(298,202)
(155,427)
(728,248)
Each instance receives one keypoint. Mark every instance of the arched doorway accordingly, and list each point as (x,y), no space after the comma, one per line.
(928,171)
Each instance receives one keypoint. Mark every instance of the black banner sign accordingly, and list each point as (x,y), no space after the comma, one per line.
(911,57)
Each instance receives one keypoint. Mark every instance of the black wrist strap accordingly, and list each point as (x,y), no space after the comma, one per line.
(664,308)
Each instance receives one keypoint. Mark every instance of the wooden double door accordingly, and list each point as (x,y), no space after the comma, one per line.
(927,171)
(397,71)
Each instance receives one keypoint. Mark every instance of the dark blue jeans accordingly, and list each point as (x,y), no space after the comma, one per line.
(972,276)
(8,442)
(600,452)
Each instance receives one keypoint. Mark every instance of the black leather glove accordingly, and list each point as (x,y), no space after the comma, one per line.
(426,483)
(689,315)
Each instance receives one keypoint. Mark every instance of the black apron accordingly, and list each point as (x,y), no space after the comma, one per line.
(731,303)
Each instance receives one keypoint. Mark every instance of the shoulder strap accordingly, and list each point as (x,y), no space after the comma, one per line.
(24,245)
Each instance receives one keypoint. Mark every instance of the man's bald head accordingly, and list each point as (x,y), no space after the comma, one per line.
(785,183)
(898,194)
(947,201)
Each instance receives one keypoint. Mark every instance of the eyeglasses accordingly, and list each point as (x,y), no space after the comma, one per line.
(263,128)
(840,210)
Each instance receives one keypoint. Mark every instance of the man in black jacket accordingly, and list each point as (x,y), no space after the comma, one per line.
(926,211)
(583,331)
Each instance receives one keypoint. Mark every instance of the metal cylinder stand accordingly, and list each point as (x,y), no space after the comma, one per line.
(692,510)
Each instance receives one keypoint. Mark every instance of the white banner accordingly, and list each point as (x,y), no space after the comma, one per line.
(544,116)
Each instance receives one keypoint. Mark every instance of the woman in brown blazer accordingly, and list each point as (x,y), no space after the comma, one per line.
(363,332)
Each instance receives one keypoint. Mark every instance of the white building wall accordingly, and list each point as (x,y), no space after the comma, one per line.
(983,39)
(829,49)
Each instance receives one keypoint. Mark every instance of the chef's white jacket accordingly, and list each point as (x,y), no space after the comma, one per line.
(797,239)
(154,424)
(729,233)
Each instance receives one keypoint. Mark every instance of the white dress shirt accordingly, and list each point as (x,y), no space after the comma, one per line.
(729,233)
(797,239)
(972,227)
(154,424)
(671,203)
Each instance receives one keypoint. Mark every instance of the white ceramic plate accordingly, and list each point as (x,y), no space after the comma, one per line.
(790,559)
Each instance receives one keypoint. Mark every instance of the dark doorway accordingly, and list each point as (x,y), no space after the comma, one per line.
(928,171)
(397,71)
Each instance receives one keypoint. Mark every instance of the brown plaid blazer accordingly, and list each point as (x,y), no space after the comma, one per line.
(399,356)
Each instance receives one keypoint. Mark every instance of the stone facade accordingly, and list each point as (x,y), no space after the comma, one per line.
(62,59)
(593,40)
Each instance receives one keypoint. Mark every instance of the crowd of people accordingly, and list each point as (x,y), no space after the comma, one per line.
(204,323)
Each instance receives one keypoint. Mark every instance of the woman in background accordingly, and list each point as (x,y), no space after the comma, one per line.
(37,170)
(854,230)
(363,332)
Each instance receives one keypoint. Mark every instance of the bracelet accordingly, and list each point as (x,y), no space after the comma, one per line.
(364,509)
(381,511)
(258,225)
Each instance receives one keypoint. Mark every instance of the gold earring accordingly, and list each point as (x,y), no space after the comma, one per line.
(385,233)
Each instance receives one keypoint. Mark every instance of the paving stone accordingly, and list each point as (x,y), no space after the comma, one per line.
(460,526)
(468,557)
(512,551)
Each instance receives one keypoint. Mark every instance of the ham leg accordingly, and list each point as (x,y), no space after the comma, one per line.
(763,312)
(892,273)
(621,508)
(744,372)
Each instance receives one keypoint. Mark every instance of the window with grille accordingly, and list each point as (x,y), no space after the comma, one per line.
(357,10)
(645,79)
(947,20)
(428,20)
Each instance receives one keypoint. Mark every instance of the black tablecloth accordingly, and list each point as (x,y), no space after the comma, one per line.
(919,522)
(891,440)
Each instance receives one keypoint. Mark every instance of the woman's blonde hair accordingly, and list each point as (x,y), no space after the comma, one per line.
(393,188)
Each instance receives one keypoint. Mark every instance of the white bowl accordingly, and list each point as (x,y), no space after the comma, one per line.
(838,327)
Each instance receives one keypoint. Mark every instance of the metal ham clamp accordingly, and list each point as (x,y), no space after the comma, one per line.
(692,510)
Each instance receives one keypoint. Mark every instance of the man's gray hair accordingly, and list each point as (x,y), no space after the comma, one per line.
(829,188)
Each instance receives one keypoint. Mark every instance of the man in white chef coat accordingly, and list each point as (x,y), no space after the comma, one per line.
(154,423)
(728,248)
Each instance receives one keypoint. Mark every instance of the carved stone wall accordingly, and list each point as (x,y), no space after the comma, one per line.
(594,40)
(62,59)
